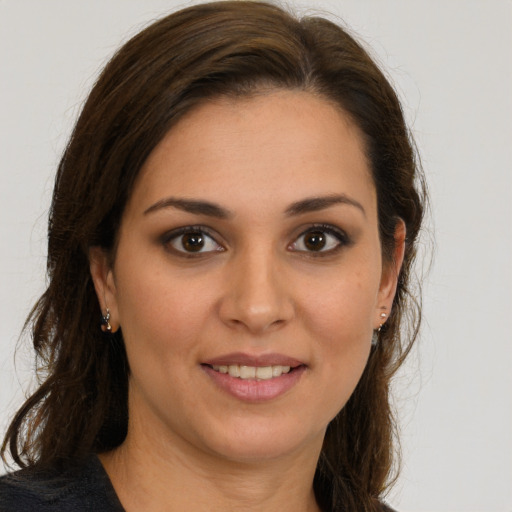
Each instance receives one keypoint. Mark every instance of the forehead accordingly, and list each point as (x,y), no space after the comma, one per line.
(281,145)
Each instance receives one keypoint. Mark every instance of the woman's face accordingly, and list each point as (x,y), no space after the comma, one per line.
(250,246)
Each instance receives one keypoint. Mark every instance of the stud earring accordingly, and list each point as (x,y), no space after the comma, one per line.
(105,322)
(375,336)
(383,317)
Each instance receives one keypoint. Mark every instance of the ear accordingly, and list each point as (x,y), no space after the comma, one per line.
(389,277)
(103,279)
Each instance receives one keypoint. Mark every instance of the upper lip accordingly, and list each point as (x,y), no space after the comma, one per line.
(244,359)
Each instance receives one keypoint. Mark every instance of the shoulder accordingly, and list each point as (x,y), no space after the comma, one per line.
(84,486)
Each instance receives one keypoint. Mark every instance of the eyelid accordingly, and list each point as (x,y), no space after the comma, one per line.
(342,237)
(173,234)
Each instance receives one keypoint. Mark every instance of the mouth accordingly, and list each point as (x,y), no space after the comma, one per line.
(245,372)
(255,378)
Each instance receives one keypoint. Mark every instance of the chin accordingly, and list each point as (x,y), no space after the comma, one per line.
(253,443)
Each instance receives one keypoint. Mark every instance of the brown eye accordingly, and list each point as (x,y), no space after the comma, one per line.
(190,241)
(315,240)
(320,240)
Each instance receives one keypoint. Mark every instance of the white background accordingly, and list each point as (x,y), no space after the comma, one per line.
(451,61)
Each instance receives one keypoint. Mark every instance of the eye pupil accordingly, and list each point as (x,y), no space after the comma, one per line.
(193,242)
(315,240)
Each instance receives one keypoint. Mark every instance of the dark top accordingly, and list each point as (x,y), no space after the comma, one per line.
(84,488)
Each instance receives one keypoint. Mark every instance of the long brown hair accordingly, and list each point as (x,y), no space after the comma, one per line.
(229,48)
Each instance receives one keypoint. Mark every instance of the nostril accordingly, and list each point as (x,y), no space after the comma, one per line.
(256,304)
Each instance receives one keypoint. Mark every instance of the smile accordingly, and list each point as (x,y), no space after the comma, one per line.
(254,378)
(252,372)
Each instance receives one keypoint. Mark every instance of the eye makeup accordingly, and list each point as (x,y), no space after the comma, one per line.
(191,241)
(194,241)
(320,240)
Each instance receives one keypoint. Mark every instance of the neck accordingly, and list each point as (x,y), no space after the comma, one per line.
(175,476)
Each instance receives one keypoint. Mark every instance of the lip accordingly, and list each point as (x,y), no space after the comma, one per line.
(242,358)
(254,390)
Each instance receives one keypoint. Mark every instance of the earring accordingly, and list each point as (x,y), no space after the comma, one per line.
(105,322)
(375,336)
(383,316)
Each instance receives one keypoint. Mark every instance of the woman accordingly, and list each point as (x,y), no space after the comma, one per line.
(239,203)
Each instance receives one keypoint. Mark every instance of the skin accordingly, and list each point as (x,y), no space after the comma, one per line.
(256,287)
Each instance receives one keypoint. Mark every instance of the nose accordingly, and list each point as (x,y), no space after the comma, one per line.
(256,297)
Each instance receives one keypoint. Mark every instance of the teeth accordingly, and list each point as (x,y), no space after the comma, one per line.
(278,370)
(252,372)
(233,370)
(264,372)
(247,372)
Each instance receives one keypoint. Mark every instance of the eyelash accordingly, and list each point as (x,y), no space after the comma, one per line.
(175,234)
(341,237)
(167,240)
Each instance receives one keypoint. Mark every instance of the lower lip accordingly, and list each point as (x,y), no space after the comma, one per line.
(252,390)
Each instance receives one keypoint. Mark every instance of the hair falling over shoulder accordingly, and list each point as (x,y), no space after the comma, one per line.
(227,48)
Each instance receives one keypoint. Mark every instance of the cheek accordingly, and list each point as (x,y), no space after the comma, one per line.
(345,332)
(343,307)
(341,321)
(160,314)
(161,322)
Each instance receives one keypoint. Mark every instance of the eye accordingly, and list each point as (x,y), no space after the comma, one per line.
(319,239)
(191,240)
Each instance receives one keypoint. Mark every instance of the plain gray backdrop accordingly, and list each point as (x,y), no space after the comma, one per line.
(451,61)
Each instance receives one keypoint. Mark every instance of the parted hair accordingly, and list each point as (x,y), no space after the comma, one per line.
(219,49)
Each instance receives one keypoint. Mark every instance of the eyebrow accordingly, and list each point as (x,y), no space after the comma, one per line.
(198,207)
(314,204)
(191,206)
